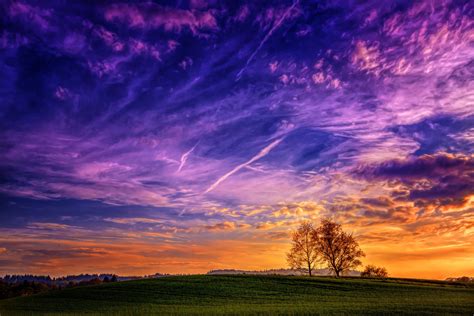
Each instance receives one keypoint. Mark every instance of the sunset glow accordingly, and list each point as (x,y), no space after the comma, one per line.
(190,136)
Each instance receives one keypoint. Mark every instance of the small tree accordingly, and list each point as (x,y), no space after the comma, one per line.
(372,271)
(303,253)
(339,249)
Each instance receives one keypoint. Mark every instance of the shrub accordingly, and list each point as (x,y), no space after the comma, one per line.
(372,271)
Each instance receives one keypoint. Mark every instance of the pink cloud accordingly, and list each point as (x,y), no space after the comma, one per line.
(273,66)
(325,75)
(371,17)
(274,15)
(335,83)
(284,79)
(135,46)
(109,38)
(133,220)
(172,45)
(149,16)
(366,57)
(102,68)
(30,14)
(51,226)
(224,226)
(62,93)
(242,13)
(98,170)
(139,47)
(435,37)
(318,77)
(186,63)
(304,31)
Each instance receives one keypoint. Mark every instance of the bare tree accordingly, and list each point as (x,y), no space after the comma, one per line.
(303,253)
(372,271)
(339,249)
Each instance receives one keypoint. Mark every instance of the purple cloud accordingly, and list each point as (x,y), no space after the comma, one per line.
(148,15)
(441,178)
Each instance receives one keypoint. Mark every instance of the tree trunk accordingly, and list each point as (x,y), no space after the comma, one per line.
(337,273)
(309,269)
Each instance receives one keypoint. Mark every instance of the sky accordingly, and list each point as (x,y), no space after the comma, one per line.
(185,136)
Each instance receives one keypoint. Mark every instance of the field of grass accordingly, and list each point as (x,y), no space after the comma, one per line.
(239,295)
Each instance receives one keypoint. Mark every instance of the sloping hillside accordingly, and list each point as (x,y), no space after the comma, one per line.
(210,294)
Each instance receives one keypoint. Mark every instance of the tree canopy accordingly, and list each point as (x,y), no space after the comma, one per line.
(327,243)
(304,250)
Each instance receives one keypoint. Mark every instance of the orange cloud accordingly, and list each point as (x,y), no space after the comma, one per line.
(409,239)
(221,226)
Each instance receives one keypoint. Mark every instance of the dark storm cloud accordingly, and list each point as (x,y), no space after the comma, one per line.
(441,178)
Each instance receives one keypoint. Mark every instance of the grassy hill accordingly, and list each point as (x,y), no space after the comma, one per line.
(204,294)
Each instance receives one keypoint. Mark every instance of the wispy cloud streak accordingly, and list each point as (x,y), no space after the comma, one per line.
(185,156)
(275,26)
(258,156)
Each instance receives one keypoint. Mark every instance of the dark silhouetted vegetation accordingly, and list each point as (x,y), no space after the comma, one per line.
(372,271)
(338,249)
(23,285)
(328,244)
(465,279)
(304,248)
(8,290)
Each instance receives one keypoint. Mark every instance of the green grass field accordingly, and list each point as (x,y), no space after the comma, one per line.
(239,295)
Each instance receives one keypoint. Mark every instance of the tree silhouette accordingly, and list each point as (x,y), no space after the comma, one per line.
(372,271)
(303,253)
(339,249)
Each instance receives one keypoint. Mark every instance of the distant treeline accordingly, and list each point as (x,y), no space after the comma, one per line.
(18,285)
(461,279)
(282,271)
(46,279)
(22,285)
